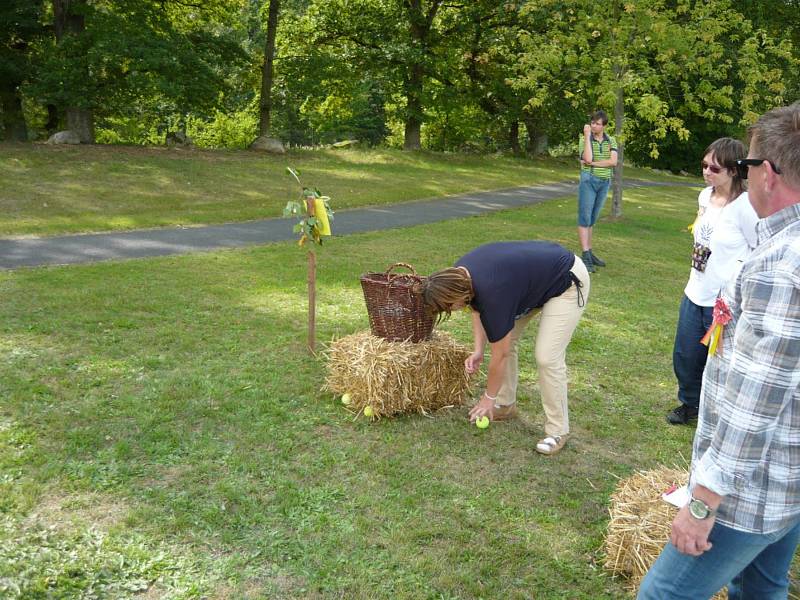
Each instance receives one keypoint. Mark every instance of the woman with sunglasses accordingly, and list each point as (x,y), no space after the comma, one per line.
(724,232)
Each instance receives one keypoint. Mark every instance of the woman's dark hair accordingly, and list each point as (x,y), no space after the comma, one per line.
(444,289)
(726,152)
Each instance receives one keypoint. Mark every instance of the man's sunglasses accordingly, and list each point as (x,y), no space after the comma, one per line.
(713,168)
(743,165)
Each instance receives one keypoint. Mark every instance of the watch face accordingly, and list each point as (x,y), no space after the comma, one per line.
(698,509)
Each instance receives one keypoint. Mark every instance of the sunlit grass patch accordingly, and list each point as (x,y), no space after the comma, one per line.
(49,190)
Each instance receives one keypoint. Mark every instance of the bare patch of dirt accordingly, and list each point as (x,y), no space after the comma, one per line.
(67,510)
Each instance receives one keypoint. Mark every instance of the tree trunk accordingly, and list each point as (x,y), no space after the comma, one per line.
(541,143)
(513,137)
(412,139)
(53,119)
(537,143)
(12,119)
(619,116)
(81,121)
(421,22)
(66,20)
(69,20)
(267,71)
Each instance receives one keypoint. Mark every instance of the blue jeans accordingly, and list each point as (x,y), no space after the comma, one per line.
(689,355)
(755,567)
(592,192)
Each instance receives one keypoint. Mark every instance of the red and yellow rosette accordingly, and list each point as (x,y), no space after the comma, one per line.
(722,316)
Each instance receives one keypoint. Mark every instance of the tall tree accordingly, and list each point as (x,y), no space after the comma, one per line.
(551,72)
(397,41)
(69,25)
(109,58)
(20,28)
(658,64)
(267,70)
(490,32)
(421,18)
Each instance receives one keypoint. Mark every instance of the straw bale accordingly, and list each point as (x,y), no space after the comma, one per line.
(398,377)
(641,523)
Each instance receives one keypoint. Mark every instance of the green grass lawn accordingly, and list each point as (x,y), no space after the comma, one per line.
(163,433)
(65,189)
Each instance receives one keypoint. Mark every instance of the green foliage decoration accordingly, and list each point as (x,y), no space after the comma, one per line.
(309,226)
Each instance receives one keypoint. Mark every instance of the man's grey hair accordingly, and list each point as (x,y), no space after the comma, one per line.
(776,137)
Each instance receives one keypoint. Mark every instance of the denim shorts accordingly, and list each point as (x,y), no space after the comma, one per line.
(592,192)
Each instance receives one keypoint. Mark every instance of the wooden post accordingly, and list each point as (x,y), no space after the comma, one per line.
(312,299)
(312,285)
(619,115)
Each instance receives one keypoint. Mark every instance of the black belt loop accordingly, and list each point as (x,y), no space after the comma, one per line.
(579,285)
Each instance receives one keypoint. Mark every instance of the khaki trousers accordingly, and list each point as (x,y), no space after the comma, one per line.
(559,317)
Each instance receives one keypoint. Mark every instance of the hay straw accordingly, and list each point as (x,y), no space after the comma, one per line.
(641,523)
(398,377)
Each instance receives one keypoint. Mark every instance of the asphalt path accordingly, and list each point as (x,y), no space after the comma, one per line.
(17,253)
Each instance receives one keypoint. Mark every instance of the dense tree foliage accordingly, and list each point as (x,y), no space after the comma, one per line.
(120,65)
(484,75)
(20,31)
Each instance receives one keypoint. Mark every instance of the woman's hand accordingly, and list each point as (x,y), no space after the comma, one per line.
(473,362)
(485,407)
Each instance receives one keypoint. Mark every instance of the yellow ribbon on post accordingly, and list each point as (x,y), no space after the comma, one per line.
(322,216)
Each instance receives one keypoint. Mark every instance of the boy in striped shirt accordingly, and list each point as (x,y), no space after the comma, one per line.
(598,159)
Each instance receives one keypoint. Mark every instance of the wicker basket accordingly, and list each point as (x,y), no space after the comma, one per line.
(396,312)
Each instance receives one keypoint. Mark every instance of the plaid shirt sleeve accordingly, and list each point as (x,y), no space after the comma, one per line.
(763,377)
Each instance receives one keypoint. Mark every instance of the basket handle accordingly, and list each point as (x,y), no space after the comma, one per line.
(400,264)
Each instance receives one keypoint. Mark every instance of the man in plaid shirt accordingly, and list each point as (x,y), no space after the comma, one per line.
(742,524)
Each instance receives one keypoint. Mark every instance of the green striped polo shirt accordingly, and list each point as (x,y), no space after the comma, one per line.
(600,151)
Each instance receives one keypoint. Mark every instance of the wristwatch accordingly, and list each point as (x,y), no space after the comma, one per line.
(699,509)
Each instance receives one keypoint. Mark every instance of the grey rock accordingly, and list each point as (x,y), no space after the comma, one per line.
(268,144)
(64,137)
(344,144)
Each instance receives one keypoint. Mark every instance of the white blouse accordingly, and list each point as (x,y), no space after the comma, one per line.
(730,233)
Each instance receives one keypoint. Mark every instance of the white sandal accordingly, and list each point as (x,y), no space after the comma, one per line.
(551,444)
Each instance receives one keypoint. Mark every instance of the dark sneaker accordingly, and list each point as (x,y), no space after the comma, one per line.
(682,415)
(586,257)
(596,261)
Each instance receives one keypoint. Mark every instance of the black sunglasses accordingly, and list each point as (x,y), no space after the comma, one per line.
(743,164)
